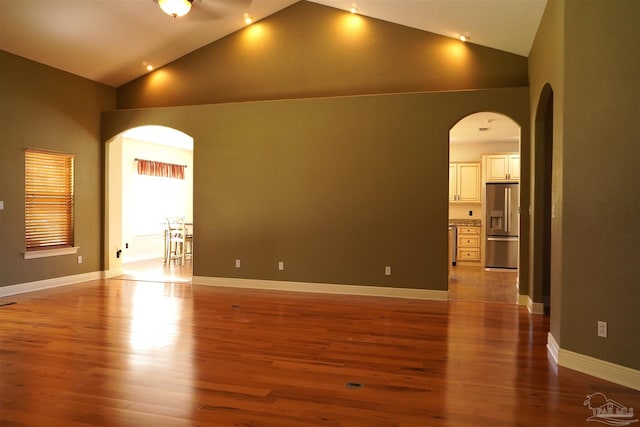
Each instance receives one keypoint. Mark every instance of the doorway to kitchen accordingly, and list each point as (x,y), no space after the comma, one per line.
(150,179)
(484,152)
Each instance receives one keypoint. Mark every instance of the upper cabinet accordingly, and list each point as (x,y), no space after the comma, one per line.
(464,183)
(502,167)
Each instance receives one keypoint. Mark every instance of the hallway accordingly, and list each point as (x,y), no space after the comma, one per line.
(477,284)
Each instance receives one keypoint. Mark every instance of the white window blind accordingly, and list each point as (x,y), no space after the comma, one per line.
(48,200)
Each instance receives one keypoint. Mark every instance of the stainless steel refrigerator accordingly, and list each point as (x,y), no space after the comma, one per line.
(503,224)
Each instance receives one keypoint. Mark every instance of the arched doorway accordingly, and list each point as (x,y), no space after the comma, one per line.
(137,204)
(479,145)
(543,205)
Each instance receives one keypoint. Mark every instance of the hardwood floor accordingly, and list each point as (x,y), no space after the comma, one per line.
(121,352)
(155,270)
(468,283)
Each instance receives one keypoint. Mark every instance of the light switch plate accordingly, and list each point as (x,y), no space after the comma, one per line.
(1,205)
(602,329)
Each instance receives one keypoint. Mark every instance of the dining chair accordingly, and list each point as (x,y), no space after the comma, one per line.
(178,240)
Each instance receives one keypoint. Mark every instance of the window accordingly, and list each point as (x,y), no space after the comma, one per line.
(48,202)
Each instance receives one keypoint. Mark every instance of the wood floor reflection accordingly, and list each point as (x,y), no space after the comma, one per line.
(468,283)
(158,271)
(120,352)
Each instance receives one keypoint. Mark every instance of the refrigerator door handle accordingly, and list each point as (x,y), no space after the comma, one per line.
(509,211)
(506,209)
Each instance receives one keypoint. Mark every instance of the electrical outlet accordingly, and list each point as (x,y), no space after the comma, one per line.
(602,329)
(281,265)
(79,259)
(237,263)
(387,270)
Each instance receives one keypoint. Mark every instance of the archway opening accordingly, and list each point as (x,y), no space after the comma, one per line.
(542,194)
(484,154)
(139,203)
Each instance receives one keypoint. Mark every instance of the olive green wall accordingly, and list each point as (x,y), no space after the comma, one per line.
(546,67)
(597,198)
(601,152)
(41,107)
(309,50)
(337,188)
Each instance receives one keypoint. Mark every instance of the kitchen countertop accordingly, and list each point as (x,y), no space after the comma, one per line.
(465,222)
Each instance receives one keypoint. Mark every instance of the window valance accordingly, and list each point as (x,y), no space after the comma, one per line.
(165,170)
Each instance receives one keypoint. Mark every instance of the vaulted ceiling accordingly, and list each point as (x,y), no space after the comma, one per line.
(112,41)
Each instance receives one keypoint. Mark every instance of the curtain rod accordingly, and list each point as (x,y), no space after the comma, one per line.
(144,160)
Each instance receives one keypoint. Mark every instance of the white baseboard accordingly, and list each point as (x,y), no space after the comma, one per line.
(49,283)
(602,369)
(112,273)
(552,347)
(426,294)
(533,307)
(523,300)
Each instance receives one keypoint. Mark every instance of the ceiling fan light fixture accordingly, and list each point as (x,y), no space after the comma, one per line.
(175,8)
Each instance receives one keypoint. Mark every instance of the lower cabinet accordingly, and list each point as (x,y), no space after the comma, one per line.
(468,244)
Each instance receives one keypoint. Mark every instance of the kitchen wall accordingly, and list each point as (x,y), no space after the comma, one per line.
(41,107)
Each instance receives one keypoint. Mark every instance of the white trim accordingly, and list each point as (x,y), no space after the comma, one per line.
(552,347)
(426,294)
(534,307)
(112,273)
(49,283)
(523,300)
(600,368)
(44,253)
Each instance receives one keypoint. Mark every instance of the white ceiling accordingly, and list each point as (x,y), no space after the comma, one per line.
(484,126)
(110,41)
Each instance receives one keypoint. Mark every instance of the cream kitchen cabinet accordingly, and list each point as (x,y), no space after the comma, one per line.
(464,183)
(468,243)
(502,167)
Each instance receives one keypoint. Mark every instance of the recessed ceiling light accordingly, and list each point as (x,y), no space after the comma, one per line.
(147,66)
(247,19)
(464,37)
(354,8)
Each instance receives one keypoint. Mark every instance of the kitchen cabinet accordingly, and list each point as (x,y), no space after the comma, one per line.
(468,244)
(502,167)
(464,183)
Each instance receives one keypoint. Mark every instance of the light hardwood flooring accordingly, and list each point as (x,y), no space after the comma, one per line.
(123,352)
(470,283)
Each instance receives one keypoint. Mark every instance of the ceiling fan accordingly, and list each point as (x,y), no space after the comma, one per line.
(207,9)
